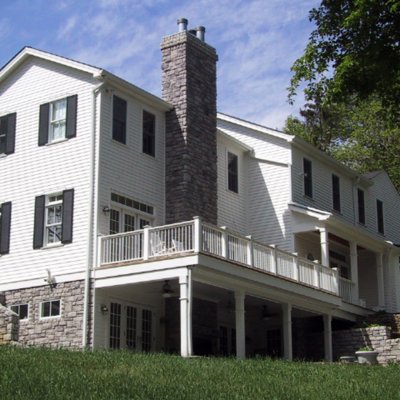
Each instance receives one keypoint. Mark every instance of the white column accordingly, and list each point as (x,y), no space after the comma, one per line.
(185,308)
(240,325)
(354,271)
(328,337)
(324,242)
(379,279)
(287,331)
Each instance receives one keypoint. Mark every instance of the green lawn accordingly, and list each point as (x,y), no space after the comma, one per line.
(60,374)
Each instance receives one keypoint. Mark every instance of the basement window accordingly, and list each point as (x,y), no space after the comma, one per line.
(50,309)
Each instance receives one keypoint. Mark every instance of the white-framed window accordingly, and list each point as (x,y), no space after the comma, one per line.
(57,120)
(50,309)
(53,219)
(22,310)
(233,172)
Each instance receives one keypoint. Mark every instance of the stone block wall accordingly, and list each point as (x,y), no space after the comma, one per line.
(347,342)
(62,331)
(9,326)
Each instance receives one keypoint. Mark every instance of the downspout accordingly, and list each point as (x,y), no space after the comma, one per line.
(92,228)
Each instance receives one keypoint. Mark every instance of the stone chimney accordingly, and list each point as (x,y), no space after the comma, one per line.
(189,83)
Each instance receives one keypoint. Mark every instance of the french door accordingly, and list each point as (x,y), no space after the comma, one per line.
(131,327)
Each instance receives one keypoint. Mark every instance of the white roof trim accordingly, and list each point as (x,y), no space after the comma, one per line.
(310,211)
(237,142)
(255,127)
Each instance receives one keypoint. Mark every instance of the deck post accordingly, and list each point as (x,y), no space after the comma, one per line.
(240,324)
(287,331)
(99,251)
(296,267)
(274,264)
(354,271)
(197,235)
(224,244)
(328,337)
(185,312)
(379,276)
(324,242)
(250,260)
(146,242)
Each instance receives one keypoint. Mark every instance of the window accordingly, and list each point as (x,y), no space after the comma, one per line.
(7,133)
(119,119)
(149,133)
(361,206)
(379,215)
(336,192)
(5,227)
(21,310)
(307,174)
(53,219)
(57,120)
(233,183)
(132,203)
(50,309)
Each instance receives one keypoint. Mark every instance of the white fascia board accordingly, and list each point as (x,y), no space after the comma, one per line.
(255,127)
(31,52)
(136,91)
(327,159)
(310,211)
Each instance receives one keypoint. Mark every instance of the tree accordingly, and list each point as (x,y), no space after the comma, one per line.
(354,52)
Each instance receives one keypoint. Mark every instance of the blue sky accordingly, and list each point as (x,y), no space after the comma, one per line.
(256,40)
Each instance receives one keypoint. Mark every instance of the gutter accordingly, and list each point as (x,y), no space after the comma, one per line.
(92,228)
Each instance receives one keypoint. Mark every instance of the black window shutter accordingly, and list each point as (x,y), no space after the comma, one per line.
(72,103)
(67,217)
(44,124)
(5,228)
(10,141)
(38,230)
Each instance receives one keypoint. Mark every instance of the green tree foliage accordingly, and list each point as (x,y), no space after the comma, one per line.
(351,71)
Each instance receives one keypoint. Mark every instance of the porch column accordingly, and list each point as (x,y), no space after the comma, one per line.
(287,331)
(354,271)
(324,242)
(328,337)
(379,279)
(186,315)
(240,324)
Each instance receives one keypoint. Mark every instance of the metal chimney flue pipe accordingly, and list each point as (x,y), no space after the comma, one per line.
(182,24)
(200,32)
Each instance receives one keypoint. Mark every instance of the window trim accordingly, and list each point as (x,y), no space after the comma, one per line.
(336,203)
(235,173)
(148,137)
(41,309)
(307,178)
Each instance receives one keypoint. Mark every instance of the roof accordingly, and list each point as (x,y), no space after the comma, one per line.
(98,73)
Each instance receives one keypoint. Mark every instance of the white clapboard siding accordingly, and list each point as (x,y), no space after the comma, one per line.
(124,168)
(32,170)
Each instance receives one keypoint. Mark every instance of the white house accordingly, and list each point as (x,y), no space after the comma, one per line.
(130,221)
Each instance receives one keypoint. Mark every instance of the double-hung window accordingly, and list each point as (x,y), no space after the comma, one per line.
(149,133)
(5,227)
(53,219)
(57,120)
(119,119)
(233,172)
(336,192)
(307,176)
(7,133)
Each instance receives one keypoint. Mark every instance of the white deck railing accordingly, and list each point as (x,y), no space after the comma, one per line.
(346,289)
(195,236)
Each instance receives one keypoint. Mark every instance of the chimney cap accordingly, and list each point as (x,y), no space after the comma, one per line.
(200,30)
(182,23)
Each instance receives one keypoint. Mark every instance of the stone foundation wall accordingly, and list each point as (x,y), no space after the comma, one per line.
(62,331)
(347,342)
(9,326)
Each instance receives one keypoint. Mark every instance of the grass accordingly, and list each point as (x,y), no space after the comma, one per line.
(37,373)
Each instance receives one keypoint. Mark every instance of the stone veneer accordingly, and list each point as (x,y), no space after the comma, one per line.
(9,323)
(63,331)
(347,342)
(189,84)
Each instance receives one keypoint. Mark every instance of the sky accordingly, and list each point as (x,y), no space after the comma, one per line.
(257,42)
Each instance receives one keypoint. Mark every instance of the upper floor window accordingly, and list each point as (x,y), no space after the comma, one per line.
(336,192)
(5,227)
(233,175)
(119,119)
(7,133)
(361,206)
(149,133)
(53,219)
(57,120)
(379,216)
(307,174)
